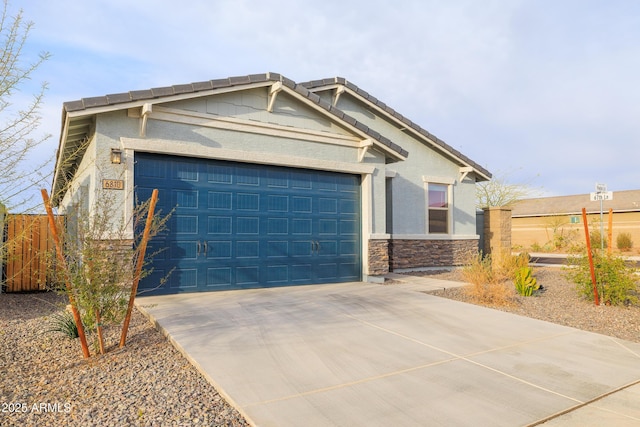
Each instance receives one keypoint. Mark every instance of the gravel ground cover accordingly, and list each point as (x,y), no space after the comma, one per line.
(44,381)
(559,303)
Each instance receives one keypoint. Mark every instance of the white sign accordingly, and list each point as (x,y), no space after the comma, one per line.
(596,197)
(601,188)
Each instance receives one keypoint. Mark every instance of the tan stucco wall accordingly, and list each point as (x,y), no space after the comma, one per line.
(542,231)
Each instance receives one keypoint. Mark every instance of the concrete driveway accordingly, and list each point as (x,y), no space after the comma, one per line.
(357,354)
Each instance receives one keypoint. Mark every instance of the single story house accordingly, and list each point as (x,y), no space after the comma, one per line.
(556,222)
(272,182)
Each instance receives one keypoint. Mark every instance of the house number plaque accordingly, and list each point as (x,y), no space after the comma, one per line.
(113,184)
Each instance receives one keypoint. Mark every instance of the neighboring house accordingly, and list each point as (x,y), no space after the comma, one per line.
(273,183)
(549,222)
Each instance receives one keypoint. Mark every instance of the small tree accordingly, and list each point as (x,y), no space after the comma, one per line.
(100,258)
(18,119)
(499,192)
(560,238)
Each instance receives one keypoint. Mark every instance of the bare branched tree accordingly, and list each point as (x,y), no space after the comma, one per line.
(500,192)
(19,119)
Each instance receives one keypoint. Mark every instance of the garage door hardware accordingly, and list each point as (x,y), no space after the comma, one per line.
(203,245)
(315,246)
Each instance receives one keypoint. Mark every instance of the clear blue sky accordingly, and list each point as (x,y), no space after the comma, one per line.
(545,90)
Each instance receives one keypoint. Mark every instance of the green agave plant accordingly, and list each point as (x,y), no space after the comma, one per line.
(64,323)
(525,283)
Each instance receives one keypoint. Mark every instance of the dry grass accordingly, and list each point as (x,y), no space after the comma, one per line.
(491,277)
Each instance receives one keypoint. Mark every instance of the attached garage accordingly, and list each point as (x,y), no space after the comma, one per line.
(269,182)
(237,225)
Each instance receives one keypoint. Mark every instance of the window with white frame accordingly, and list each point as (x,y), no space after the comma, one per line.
(438,208)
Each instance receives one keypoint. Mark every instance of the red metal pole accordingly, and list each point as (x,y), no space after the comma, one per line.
(140,261)
(596,298)
(63,263)
(610,246)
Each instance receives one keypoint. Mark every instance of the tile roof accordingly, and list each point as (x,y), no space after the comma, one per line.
(163,92)
(623,201)
(314,84)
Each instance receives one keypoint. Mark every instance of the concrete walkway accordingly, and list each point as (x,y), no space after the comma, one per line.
(357,354)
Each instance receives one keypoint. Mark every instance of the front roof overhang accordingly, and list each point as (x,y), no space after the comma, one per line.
(342,85)
(78,117)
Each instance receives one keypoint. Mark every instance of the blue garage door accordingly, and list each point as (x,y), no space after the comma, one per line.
(238,225)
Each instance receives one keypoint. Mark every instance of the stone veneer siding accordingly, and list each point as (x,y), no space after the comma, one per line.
(429,253)
(378,257)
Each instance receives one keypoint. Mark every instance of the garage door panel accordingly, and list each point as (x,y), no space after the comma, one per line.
(219,174)
(248,225)
(277,226)
(185,170)
(278,274)
(277,249)
(300,272)
(153,282)
(249,176)
(328,271)
(301,248)
(349,227)
(348,206)
(349,247)
(183,224)
(219,225)
(248,202)
(349,271)
(277,203)
(220,200)
(243,226)
(219,277)
(302,205)
(327,183)
(219,249)
(302,226)
(154,170)
(247,249)
(300,180)
(327,248)
(277,179)
(183,250)
(185,198)
(248,275)
(328,226)
(328,206)
(184,278)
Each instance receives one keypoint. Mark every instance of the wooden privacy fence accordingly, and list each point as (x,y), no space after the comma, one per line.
(27,240)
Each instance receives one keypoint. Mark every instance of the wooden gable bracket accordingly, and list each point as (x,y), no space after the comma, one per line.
(464,171)
(145,110)
(336,96)
(273,94)
(363,148)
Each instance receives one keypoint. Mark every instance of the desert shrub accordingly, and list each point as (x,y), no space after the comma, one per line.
(623,241)
(505,266)
(535,247)
(594,236)
(487,278)
(616,282)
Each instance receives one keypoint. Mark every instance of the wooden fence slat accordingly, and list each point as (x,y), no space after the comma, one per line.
(29,240)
